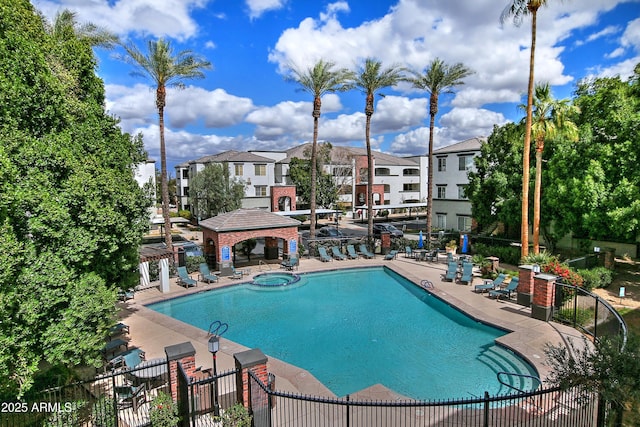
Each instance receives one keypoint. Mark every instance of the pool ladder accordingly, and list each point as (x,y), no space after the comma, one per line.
(513,374)
(261,263)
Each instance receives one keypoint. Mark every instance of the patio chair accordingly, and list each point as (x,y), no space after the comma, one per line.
(126,295)
(184,279)
(391,255)
(506,292)
(322,252)
(408,253)
(129,396)
(351,252)
(365,252)
(290,263)
(490,285)
(452,272)
(335,251)
(206,275)
(128,359)
(118,329)
(467,273)
(432,256)
(236,274)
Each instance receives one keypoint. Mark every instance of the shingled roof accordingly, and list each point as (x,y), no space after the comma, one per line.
(248,219)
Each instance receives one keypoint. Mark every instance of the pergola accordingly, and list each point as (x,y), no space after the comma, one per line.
(222,232)
(162,256)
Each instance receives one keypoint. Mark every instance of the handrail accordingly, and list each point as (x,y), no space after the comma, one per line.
(514,374)
(218,328)
(261,263)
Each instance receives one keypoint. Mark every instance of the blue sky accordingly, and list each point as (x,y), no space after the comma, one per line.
(244,102)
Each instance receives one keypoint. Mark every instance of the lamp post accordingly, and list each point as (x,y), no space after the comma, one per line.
(536,268)
(214,346)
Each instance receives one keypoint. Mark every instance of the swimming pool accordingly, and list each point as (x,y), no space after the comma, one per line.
(355,328)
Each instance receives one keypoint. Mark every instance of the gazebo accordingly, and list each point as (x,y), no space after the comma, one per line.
(222,232)
(154,254)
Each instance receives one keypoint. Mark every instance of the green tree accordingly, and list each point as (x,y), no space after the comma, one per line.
(319,80)
(551,119)
(71,214)
(518,9)
(494,187)
(371,79)
(66,22)
(213,191)
(300,175)
(164,68)
(439,78)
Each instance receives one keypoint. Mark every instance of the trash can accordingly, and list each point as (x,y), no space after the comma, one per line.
(182,261)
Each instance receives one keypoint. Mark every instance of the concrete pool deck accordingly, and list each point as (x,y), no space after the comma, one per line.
(153,332)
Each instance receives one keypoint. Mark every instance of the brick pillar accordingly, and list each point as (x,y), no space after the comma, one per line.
(525,285)
(386,242)
(544,286)
(186,355)
(251,360)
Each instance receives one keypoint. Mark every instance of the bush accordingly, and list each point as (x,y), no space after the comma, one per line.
(564,272)
(541,258)
(163,412)
(185,214)
(506,254)
(599,277)
(193,263)
(236,416)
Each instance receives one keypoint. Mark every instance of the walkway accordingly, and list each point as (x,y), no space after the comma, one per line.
(153,332)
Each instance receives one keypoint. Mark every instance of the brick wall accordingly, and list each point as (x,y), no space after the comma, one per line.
(283,191)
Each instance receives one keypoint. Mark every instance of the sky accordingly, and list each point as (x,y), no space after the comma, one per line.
(245,103)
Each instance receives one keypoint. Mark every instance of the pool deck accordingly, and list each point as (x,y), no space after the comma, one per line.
(153,332)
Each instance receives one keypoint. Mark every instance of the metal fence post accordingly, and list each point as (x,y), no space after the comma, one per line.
(348,411)
(486,409)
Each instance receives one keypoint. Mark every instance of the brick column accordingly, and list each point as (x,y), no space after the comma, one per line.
(544,286)
(186,355)
(385,238)
(251,360)
(525,285)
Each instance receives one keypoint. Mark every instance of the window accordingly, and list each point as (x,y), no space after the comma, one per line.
(442,164)
(462,192)
(410,172)
(185,173)
(411,187)
(261,190)
(186,192)
(261,170)
(238,169)
(442,191)
(465,163)
(441,221)
(345,189)
(387,188)
(464,223)
(382,171)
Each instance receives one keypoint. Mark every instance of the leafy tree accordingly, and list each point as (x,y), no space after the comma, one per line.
(319,80)
(371,79)
(300,174)
(518,9)
(212,191)
(494,187)
(163,68)
(551,119)
(71,213)
(437,79)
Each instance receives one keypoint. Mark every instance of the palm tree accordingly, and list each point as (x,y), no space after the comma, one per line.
(319,80)
(371,79)
(66,22)
(438,78)
(165,69)
(549,120)
(518,9)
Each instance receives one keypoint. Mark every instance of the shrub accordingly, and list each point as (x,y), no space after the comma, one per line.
(541,258)
(193,263)
(236,416)
(184,213)
(506,254)
(599,277)
(163,412)
(563,272)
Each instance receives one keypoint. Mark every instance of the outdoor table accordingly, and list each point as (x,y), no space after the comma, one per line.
(420,254)
(146,370)
(113,345)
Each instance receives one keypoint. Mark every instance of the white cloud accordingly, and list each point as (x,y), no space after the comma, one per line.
(258,7)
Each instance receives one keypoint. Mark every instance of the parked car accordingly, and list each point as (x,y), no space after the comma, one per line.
(329,233)
(378,229)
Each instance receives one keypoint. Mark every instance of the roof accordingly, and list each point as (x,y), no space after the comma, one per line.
(233,156)
(472,144)
(341,155)
(247,219)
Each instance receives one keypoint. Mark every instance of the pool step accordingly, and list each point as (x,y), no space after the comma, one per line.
(500,359)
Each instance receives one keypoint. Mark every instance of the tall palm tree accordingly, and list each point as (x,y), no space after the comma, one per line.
(371,79)
(438,78)
(319,80)
(549,120)
(66,21)
(518,9)
(165,68)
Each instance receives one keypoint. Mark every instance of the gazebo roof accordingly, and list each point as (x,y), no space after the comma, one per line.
(153,253)
(248,219)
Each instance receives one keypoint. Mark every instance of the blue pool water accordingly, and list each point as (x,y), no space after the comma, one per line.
(355,328)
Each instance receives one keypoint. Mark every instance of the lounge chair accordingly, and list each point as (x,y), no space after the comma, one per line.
(490,285)
(236,274)
(506,292)
(184,279)
(206,275)
(129,396)
(322,252)
(351,252)
(118,329)
(126,295)
(290,263)
(452,271)
(365,252)
(467,273)
(391,255)
(335,251)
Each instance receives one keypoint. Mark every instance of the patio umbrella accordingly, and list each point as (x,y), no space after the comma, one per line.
(420,242)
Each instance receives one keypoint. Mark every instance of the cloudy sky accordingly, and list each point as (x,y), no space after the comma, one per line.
(244,102)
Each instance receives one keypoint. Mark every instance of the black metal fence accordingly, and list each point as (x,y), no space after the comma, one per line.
(542,408)
(587,312)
